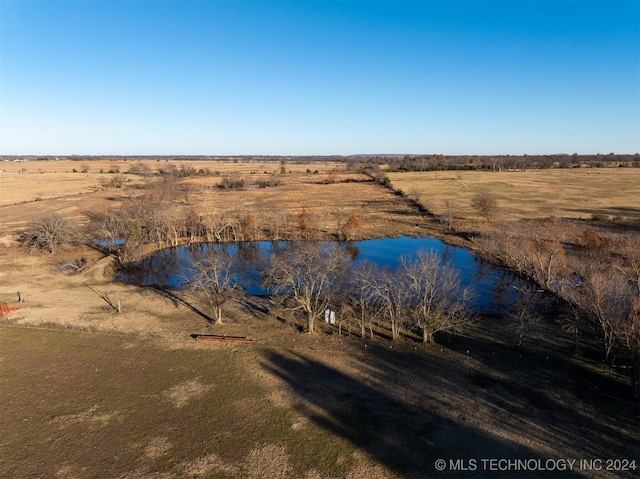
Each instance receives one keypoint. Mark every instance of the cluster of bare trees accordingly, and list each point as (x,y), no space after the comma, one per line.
(160,217)
(421,295)
(602,286)
(438,162)
(49,231)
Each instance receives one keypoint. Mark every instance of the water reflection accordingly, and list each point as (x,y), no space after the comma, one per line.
(496,289)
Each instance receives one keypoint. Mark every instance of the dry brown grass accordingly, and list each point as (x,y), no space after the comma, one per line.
(52,186)
(150,402)
(562,193)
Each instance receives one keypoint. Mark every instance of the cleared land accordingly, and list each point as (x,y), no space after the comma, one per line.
(30,188)
(87,392)
(562,193)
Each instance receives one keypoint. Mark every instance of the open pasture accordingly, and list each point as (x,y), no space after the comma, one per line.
(561,193)
(327,193)
(87,392)
(82,405)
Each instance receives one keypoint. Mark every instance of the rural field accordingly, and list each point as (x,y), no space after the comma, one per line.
(89,392)
(576,193)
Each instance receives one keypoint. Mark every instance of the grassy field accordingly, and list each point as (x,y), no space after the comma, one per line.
(85,405)
(563,193)
(86,392)
(327,196)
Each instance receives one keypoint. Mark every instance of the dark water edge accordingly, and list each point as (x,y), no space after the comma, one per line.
(495,288)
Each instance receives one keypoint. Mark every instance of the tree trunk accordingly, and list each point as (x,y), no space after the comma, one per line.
(394,330)
(310,323)
(427,335)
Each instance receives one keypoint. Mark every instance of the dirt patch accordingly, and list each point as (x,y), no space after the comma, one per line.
(183,393)
(156,447)
(268,461)
(91,415)
(210,464)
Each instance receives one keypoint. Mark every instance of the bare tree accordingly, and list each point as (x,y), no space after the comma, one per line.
(449,214)
(485,204)
(141,168)
(213,278)
(115,181)
(390,292)
(338,213)
(306,276)
(49,231)
(605,298)
(523,313)
(115,302)
(437,300)
(363,300)
(546,258)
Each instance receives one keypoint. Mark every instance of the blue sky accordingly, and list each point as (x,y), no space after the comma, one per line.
(307,78)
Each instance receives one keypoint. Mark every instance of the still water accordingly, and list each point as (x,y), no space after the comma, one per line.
(495,289)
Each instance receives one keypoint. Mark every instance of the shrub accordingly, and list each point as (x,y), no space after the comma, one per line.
(232,183)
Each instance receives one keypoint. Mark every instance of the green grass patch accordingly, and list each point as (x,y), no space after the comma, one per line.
(98,402)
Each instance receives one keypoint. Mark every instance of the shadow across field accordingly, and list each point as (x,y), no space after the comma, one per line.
(406,436)
(406,409)
(613,211)
(176,300)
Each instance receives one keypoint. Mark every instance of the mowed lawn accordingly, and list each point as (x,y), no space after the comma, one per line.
(563,193)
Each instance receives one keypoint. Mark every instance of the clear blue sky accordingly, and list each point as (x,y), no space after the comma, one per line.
(304,78)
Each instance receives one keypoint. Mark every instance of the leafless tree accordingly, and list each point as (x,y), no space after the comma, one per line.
(523,313)
(114,301)
(436,298)
(141,168)
(363,299)
(116,180)
(213,278)
(338,213)
(449,214)
(49,231)
(547,261)
(306,276)
(485,204)
(278,225)
(605,298)
(390,292)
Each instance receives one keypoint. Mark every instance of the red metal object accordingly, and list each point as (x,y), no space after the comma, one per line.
(217,337)
(5,310)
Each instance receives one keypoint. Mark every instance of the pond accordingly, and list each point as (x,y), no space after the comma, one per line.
(169,268)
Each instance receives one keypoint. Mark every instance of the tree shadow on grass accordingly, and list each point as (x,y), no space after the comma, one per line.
(176,300)
(407,437)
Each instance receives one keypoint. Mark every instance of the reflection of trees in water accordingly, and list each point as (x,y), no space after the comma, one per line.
(352,250)
(157,269)
(496,288)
